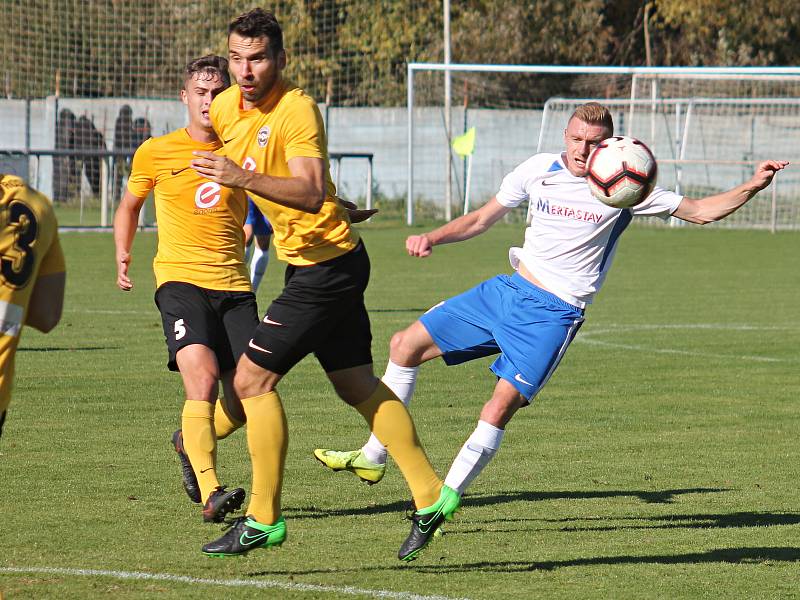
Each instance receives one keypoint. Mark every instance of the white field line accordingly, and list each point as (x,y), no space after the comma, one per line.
(587,337)
(233,583)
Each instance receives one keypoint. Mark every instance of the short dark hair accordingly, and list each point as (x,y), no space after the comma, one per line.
(258,23)
(210,66)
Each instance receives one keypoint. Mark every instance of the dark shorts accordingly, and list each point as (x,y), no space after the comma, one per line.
(320,310)
(222,321)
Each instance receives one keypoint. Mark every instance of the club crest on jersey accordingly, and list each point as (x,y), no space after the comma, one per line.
(206,196)
(263,136)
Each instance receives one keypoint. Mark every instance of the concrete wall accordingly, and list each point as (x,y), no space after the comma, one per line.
(504,139)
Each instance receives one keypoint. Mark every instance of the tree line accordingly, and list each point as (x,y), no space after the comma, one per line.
(354,52)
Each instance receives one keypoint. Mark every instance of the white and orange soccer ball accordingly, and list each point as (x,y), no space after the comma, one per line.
(621,171)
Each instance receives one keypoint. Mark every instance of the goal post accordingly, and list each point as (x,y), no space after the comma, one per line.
(708,126)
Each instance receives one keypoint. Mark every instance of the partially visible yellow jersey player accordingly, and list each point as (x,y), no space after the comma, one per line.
(32,272)
(208,310)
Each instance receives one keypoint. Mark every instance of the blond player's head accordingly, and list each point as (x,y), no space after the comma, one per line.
(589,125)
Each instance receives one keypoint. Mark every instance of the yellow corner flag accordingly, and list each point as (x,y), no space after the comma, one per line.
(464,145)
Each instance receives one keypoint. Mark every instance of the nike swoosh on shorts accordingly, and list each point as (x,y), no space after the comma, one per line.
(259,348)
(519,378)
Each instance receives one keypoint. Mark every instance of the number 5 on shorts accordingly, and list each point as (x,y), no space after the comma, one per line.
(180,329)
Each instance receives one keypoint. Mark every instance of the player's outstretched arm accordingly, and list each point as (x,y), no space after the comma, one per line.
(462,228)
(47,302)
(717,207)
(126,220)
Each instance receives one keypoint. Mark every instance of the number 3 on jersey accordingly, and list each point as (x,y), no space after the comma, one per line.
(180,329)
(17,261)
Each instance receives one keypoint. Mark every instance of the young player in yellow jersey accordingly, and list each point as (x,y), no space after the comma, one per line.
(275,148)
(203,289)
(32,273)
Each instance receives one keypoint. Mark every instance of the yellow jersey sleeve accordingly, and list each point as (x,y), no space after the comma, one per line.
(303,131)
(53,261)
(142,178)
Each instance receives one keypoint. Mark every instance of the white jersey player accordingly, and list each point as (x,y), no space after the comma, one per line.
(529,318)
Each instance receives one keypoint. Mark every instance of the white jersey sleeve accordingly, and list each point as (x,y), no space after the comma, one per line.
(516,185)
(660,203)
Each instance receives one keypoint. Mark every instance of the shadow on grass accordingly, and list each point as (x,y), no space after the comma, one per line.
(721,555)
(698,521)
(735,556)
(650,496)
(68,349)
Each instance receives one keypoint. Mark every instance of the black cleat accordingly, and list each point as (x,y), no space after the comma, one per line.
(247,534)
(189,479)
(222,502)
(426,522)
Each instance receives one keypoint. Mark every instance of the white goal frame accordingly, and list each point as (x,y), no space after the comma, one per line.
(633,72)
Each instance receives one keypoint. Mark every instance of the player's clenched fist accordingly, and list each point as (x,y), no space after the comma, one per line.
(419,245)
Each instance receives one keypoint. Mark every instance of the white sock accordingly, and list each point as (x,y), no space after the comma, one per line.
(402,381)
(474,455)
(258,266)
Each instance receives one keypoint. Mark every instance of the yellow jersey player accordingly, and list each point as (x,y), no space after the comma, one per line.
(275,149)
(32,273)
(203,288)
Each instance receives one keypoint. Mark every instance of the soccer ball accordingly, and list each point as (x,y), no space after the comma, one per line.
(621,171)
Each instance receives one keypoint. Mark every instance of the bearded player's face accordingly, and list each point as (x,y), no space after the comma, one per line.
(254,66)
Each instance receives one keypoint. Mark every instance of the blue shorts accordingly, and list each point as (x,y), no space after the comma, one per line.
(529,327)
(257,219)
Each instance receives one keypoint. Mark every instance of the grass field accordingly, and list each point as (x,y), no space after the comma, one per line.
(661,460)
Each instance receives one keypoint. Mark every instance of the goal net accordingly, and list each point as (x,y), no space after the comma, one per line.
(708,128)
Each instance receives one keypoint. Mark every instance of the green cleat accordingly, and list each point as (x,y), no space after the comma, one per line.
(352,461)
(426,522)
(247,534)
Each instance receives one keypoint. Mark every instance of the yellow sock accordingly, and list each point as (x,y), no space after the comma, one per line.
(389,420)
(224,423)
(267,440)
(200,443)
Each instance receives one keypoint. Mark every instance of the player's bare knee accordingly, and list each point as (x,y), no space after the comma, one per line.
(251,380)
(501,407)
(200,384)
(405,350)
(354,385)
